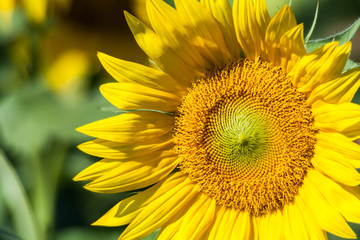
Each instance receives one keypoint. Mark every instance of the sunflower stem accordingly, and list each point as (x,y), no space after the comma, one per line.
(13,193)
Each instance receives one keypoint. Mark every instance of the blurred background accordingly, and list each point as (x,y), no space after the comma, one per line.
(49,79)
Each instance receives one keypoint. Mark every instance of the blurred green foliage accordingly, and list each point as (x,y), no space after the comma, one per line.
(49,78)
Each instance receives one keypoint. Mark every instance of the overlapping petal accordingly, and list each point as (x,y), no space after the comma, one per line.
(114,150)
(128,96)
(165,22)
(246,28)
(160,210)
(333,164)
(327,216)
(203,31)
(221,10)
(162,54)
(324,63)
(126,210)
(343,118)
(339,90)
(130,127)
(120,176)
(281,23)
(349,151)
(130,72)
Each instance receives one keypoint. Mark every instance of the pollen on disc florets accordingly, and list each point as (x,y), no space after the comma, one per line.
(246,136)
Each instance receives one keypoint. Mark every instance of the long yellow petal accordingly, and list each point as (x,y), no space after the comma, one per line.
(321,65)
(242,228)
(198,218)
(343,118)
(339,90)
(326,215)
(221,10)
(341,199)
(128,96)
(335,166)
(282,22)
(262,18)
(203,31)
(313,228)
(126,210)
(97,169)
(294,223)
(125,71)
(135,174)
(292,47)
(227,224)
(159,52)
(156,213)
(130,127)
(246,28)
(167,23)
(271,226)
(219,218)
(170,229)
(349,150)
(114,150)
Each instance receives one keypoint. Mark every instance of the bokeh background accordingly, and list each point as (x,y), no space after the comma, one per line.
(49,79)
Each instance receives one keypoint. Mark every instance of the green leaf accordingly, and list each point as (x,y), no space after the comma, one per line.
(32,116)
(170,2)
(342,37)
(350,65)
(13,193)
(153,235)
(5,235)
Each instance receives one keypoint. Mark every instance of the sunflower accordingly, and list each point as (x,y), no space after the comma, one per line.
(235,133)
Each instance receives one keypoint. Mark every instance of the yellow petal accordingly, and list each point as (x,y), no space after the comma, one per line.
(135,174)
(263,19)
(271,226)
(203,31)
(313,228)
(349,150)
(292,47)
(126,210)
(294,223)
(227,224)
(165,21)
(343,118)
(160,210)
(221,10)
(124,71)
(130,127)
(114,150)
(127,96)
(170,229)
(159,52)
(341,199)
(219,216)
(97,169)
(247,28)
(335,166)
(321,65)
(242,228)
(198,218)
(339,90)
(282,22)
(326,215)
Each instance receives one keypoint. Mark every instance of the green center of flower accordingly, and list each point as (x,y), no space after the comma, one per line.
(246,136)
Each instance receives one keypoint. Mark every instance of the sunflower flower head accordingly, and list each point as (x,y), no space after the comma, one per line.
(240,133)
